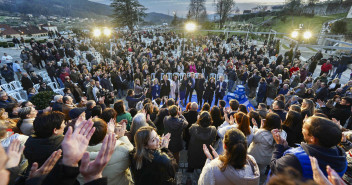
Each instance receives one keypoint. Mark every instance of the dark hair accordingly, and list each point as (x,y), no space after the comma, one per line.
(206,107)
(170,102)
(242,121)
(96,111)
(133,112)
(293,119)
(215,114)
(204,119)
(66,90)
(119,108)
(45,124)
(295,108)
(280,104)
(158,101)
(272,121)
(23,104)
(129,92)
(65,98)
(243,108)
(149,108)
(234,104)
(256,116)
(222,103)
(108,114)
(326,131)
(173,110)
(99,133)
(236,149)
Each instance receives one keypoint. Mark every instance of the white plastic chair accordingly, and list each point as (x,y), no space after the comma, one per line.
(180,76)
(36,87)
(7,88)
(17,96)
(16,85)
(169,75)
(212,75)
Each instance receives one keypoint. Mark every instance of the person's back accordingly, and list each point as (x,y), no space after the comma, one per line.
(235,166)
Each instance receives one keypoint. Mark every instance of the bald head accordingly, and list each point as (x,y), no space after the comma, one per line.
(194,106)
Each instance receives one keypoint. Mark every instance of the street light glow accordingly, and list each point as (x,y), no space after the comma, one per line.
(307,35)
(107,32)
(294,34)
(97,32)
(190,26)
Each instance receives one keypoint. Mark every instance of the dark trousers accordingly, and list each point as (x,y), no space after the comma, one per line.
(200,98)
(218,96)
(189,93)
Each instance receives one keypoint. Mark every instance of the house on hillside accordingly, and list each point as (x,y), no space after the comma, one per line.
(277,8)
(7,31)
(32,31)
(49,27)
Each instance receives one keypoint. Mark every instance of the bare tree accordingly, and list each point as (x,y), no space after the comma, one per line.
(223,9)
(197,10)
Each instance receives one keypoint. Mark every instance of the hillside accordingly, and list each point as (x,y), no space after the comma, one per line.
(158,18)
(73,8)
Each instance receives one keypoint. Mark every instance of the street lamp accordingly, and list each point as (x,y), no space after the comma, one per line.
(190,27)
(294,34)
(96,32)
(307,35)
(107,32)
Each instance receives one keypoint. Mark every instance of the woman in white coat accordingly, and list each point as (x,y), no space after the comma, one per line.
(117,170)
(235,166)
(174,88)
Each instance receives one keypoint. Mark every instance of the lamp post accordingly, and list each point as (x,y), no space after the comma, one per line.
(189,27)
(297,34)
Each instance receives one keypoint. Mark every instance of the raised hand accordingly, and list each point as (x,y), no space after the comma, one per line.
(75,143)
(14,152)
(215,154)
(232,120)
(92,170)
(254,122)
(46,167)
(165,140)
(206,152)
(111,126)
(277,137)
(120,129)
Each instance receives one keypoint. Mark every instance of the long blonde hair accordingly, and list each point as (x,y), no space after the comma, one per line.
(141,139)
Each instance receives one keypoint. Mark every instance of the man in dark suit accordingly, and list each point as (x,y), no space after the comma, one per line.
(119,81)
(191,84)
(163,112)
(220,90)
(322,93)
(165,87)
(191,117)
(200,87)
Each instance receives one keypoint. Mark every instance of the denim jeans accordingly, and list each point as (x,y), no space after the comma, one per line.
(231,84)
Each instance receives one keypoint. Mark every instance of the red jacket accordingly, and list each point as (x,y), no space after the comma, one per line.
(293,69)
(326,67)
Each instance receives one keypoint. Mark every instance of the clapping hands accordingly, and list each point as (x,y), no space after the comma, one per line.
(278,139)
(207,153)
(319,177)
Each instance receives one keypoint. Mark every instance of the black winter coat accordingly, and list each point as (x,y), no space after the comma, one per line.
(160,171)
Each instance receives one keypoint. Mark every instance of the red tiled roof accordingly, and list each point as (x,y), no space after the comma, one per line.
(30,30)
(7,30)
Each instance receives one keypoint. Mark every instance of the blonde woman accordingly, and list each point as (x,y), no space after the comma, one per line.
(155,89)
(138,89)
(152,162)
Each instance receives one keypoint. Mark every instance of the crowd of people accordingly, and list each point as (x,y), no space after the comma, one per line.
(120,119)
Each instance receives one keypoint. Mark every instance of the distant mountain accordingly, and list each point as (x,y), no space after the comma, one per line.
(158,18)
(73,8)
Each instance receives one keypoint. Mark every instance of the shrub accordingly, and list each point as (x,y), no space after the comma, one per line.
(339,27)
(42,99)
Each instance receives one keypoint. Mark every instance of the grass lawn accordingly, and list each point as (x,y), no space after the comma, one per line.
(349,26)
(314,24)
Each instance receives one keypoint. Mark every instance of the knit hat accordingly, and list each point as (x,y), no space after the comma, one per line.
(74,113)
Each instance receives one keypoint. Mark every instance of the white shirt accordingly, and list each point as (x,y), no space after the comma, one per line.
(220,86)
(7,59)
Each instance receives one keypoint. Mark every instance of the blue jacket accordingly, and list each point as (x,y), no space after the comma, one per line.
(262,90)
(155,91)
(298,159)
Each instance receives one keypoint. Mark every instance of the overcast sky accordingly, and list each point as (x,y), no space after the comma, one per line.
(181,6)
